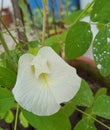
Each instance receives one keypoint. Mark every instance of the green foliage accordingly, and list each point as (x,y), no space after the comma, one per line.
(56,41)
(33,47)
(6,100)
(2,115)
(7,77)
(68,108)
(58,121)
(101,106)
(9,117)
(85,124)
(33,44)
(23,120)
(101,91)
(78,40)
(101,11)
(88,113)
(5,62)
(85,96)
(101,50)
(72,17)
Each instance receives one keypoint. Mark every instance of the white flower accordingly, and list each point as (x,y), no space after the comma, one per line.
(44,82)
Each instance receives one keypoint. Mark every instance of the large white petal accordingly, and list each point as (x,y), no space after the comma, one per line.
(65,82)
(23,63)
(31,93)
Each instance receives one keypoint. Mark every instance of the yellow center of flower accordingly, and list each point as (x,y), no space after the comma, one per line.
(44,78)
(41,69)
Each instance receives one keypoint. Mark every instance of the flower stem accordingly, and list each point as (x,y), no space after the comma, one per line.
(7,50)
(45,12)
(8,31)
(101,123)
(16,117)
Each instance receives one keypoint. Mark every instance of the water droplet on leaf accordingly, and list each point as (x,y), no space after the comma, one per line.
(99,66)
(98,43)
(95,15)
(108,39)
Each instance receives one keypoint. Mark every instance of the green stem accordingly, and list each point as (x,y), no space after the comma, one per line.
(16,117)
(8,31)
(101,123)
(7,50)
(83,12)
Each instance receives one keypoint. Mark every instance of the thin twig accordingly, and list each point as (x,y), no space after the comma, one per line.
(7,51)
(1,8)
(45,14)
(88,115)
(18,16)
(8,31)
(16,117)
(53,15)
(34,27)
(83,12)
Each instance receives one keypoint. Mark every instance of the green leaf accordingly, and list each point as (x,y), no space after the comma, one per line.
(88,111)
(72,17)
(33,44)
(85,124)
(33,51)
(58,121)
(23,120)
(6,100)
(59,38)
(56,41)
(68,108)
(85,96)
(101,106)
(56,47)
(78,40)
(2,115)
(63,35)
(1,128)
(101,50)
(101,91)
(7,77)
(16,53)
(9,117)
(101,11)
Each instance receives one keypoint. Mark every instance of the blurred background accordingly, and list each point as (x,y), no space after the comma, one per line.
(32,14)
(59,6)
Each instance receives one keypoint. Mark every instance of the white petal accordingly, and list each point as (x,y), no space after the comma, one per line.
(65,82)
(43,95)
(23,63)
(30,92)
(41,65)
